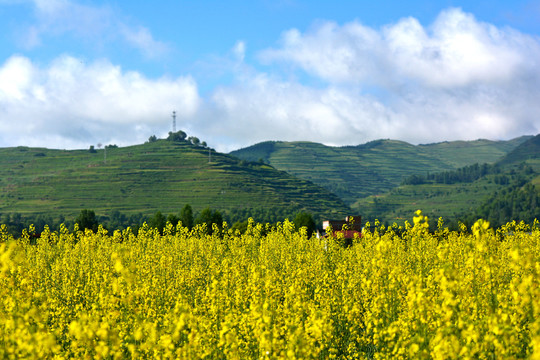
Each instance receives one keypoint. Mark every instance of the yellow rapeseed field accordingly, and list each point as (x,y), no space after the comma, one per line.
(272,293)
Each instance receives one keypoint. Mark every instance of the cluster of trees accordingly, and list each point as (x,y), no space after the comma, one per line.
(301,219)
(211,217)
(472,173)
(181,136)
(110,146)
(516,202)
(186,218)
(16,222)
(262,215)
(516,198)
(462,175)
(87,219)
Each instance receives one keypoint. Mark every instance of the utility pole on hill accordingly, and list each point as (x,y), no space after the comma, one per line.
(174,121)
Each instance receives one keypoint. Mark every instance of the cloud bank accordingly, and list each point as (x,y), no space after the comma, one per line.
(457,78)
(72,104)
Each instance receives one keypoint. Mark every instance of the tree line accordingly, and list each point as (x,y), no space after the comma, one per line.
(180,136)
(465,174)
(207,217)
(88,219)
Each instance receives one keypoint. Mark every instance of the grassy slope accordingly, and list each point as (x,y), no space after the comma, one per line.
(355,172)
(145,178)
(529,150)
(462,153)
(435,200)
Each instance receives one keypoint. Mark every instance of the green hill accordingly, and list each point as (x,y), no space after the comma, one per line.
(356,172)
(165,175)
(157,176)
(463,153)
(509,191)
(528,151)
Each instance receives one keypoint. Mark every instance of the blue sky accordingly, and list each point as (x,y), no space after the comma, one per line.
(77,73)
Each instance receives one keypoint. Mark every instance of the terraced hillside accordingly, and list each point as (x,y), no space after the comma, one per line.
(158,176)
(505,194)
(355,172)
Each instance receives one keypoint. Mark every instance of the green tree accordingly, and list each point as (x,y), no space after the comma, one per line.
(186,216)
(240,226)
(87,220)
(152,139)
(194,140)
(6,219)
(209,217)
(305,219)
(173,219)
(117,220)
(177,136)
(158,221)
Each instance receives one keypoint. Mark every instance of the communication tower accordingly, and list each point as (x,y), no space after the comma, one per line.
(174,121)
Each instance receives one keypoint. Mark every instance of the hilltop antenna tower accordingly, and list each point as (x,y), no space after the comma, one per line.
(174,121)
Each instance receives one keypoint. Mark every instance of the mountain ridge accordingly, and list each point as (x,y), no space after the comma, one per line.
(270,180)
(354,172)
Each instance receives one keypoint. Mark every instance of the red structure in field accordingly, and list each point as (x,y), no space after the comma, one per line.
(349,228)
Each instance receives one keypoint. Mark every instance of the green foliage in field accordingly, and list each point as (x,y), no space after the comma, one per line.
(272,293)
(87,220)
(303,219)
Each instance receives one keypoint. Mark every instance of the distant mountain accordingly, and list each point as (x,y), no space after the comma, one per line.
(356,172)
(157,176)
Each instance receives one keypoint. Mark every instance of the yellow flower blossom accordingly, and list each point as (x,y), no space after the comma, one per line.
(272,293)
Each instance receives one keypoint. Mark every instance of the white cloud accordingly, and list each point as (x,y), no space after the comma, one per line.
(98,24)
(77,103)
(62,17)
(263,108)
(51,6)
(141,38)
(331,52)
(15,78)
(458,78)
(456,50)
(239,50)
